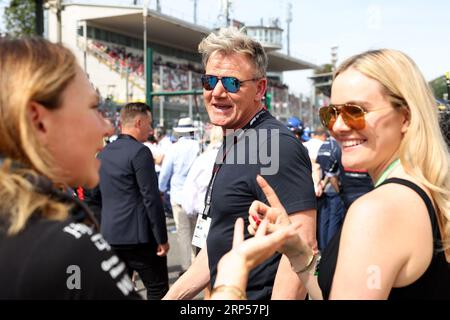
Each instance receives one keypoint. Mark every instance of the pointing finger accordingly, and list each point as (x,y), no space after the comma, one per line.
(270,194)
(238,236)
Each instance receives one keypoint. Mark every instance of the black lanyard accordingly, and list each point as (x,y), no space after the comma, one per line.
(261,115)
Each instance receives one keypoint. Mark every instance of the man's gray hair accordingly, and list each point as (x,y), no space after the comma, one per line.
(231,40)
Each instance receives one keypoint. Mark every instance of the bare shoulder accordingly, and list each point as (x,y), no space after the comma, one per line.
(391,214)
(376,209)
(389,203)
(377,236)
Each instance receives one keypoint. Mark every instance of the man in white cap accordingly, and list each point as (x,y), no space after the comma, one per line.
(175,167)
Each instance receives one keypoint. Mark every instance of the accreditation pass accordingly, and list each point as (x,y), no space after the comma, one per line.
(201,231)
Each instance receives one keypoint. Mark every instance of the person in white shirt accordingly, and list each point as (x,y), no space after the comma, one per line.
(175,167)
(164,142)
(157,153)
(313,145)
(199,175)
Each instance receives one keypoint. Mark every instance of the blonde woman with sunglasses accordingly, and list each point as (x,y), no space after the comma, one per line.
(394,243)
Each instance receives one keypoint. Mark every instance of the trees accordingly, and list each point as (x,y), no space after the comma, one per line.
(439,87)
(20,18)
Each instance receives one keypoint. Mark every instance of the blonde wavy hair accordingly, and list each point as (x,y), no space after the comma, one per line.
(423,151)
(31,69)
(231,40)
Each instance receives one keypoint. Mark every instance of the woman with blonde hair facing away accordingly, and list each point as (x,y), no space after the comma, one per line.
(394,243)
(50,132)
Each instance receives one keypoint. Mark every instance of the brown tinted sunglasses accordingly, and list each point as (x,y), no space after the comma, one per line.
(352,114)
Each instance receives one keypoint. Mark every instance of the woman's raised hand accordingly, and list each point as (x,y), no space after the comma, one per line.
(275,213)
(276,217)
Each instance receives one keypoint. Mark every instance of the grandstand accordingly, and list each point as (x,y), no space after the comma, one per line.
(108,42)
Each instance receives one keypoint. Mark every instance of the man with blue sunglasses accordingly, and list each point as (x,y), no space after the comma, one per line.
(234,85)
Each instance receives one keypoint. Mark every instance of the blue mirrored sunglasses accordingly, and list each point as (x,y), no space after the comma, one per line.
(231,84)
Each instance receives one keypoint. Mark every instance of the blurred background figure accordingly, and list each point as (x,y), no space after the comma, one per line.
(164,141)
(330,208)
(175,167)
(199,175)
(354,183)
(318,137)
(295,125)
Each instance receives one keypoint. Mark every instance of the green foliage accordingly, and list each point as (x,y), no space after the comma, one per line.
(438,86)
(325,68)
(20,18)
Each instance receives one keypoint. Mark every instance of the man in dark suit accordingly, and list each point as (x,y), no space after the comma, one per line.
(133,219)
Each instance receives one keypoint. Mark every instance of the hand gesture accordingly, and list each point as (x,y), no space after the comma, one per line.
(234,266)
(276,216)
(275,213)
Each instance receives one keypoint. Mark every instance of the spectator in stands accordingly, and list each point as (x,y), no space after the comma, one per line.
(50,131)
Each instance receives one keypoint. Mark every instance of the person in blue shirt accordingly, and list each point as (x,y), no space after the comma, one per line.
(330,213)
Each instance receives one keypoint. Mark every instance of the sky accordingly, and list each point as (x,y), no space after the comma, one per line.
(419,28)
